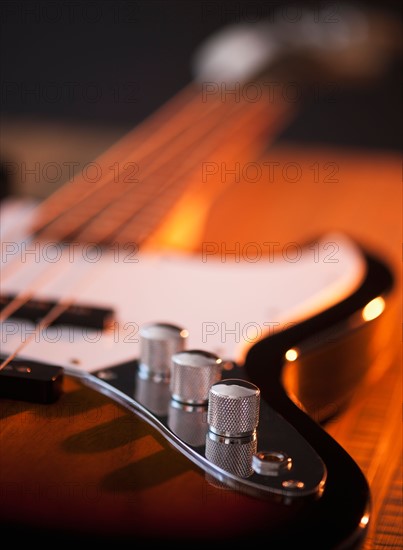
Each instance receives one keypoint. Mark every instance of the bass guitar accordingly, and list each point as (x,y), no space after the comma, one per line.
(158,385)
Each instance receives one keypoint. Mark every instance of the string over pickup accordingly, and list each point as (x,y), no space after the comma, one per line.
(76,315)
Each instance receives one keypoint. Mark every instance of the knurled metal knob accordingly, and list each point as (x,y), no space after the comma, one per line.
(193,373)
(158,342)
(233,408)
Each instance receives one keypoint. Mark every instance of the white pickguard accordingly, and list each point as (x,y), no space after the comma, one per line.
(225,306)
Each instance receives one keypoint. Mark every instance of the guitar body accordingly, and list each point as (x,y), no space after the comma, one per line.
(84,470)
(87,468)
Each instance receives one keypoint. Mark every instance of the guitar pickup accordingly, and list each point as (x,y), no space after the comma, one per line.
(76,315)
(31,381)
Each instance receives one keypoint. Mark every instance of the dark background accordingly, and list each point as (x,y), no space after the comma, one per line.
(108,63)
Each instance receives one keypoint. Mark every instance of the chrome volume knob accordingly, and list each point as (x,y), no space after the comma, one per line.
(232,417)
(233,408)
(159,341)
(193,373)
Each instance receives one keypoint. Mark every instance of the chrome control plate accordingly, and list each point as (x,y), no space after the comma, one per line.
(185,427)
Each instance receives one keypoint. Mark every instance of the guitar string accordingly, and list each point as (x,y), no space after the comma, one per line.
(194,105)
(167,188)
(261,124)
(27,294)
(153,164)
(77,189)
(52,315)
(156,125)
(151,168)
(159,160)
(9,269)
(149,151)
(21,298)
(58,202)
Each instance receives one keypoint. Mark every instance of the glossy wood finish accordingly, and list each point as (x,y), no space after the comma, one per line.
(83,466)
(365,201)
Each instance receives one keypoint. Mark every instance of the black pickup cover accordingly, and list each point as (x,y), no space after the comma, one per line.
(77,315)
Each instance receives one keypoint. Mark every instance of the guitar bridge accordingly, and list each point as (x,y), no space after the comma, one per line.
(31,381)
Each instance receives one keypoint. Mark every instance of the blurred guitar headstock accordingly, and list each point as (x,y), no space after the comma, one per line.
(342,41)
